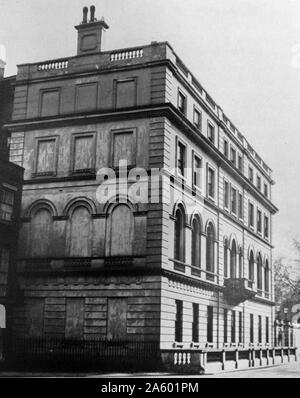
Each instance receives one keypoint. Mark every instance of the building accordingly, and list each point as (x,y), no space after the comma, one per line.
(11,177)
(189,267)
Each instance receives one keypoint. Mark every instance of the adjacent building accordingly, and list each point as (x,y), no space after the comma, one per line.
(11,177)
(188,262)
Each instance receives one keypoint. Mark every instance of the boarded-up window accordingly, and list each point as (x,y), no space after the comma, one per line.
(41,228)
(74,318)
(84,152)
(123,148)
(50,103)
(86,97)
(80,232)
(117,318)
(2,318)
(35,317)
(46,156)
(125,93)
(121,231)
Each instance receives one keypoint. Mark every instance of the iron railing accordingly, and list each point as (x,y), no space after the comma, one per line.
(70,354)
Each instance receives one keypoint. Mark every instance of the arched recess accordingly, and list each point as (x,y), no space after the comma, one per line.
(196,240)
(233,257)
(120,230)
(87,202)
(41,229)
(210,247)
(79,229)
(38,204)
(179,233)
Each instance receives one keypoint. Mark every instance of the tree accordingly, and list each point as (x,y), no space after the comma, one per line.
(287,282)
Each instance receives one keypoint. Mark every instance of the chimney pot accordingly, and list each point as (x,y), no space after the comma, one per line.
(92,10)
(85,14)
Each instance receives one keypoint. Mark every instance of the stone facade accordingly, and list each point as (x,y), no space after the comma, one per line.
(111,269)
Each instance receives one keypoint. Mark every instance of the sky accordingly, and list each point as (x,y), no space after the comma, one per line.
(246,54)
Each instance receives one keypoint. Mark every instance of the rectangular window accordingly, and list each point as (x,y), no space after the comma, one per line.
(211,132)
(86,96)
(233,326)
(83,153)
(233,200)
(210,317)
(197,119)
(250,174)
(211,182)
(182,102)
(259,221)
(240,163)
(197,172)
(233,156)
(266,227)
(7,199)
(178,321)
(266,190)
(226,194)
(181,157)
(46,157)
(123,148)
(251,215)
(267,330)
(251,328)
(49,102)
(226,148)
(240,327)
(125,93)
(259,329)
(195,332)
(225,325)
(241,213)
(258,182)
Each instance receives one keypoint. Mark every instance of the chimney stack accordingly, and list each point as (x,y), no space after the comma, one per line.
(90,33)
(2,61)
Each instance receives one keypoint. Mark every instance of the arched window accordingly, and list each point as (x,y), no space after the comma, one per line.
(196,243)
(259,272)
(210,249)
(80,232)
(121,233)
(41,231)
(179,236)
(251,267)
(240,263)
(233,260)
(267,277)
(226,258)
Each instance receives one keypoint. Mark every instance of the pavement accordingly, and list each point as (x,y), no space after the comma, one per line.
(290,370)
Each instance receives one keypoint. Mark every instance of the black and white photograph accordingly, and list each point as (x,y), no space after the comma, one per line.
(149,192)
